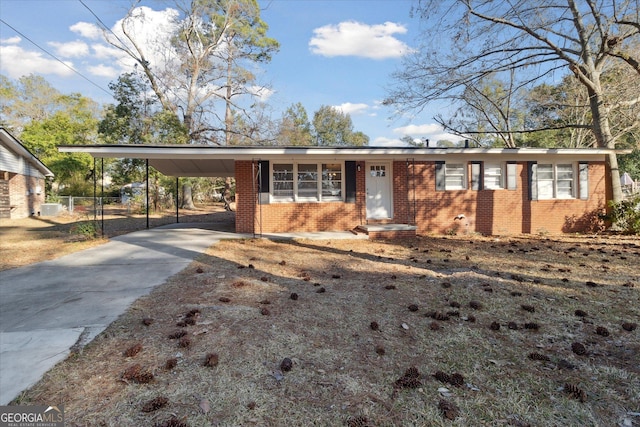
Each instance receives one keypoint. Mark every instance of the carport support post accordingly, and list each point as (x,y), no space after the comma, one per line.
(177,199)
(102,196)
(147,190)
(95,195)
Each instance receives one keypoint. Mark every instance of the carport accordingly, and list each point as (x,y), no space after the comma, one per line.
(170,160)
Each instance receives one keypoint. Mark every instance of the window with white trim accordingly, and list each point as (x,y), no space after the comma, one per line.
(455,176)
(332,181)
(493,176)
(307,182)
(282,181)
(313,182)
(555,181)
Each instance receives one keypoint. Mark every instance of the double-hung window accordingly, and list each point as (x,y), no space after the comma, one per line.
(331,181)
(455,176)
(307,182)
(283,181)
(555,181)
(493,176)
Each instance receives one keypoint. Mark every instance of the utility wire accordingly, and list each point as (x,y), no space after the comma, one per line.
(56,58)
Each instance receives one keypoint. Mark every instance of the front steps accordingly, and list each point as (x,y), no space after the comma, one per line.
(388,231)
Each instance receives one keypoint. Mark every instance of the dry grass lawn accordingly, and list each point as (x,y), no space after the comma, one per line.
(466,331)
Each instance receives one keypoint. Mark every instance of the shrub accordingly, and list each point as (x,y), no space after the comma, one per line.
(625,215)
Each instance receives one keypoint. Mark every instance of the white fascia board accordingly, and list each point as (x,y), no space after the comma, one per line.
(271,153)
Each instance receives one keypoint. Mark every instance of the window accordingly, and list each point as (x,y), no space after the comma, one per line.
(493,176)
(555,181)
(307,186)
(564,181)
(283,181)
(378,170)
(331,181)
(308,181)
(455,176)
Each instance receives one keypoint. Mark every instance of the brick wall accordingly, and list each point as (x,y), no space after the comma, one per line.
(287,217)
(492,211)
(21,204)
(486,211)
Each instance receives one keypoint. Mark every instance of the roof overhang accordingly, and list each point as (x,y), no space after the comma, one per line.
(16,146)
(207,160)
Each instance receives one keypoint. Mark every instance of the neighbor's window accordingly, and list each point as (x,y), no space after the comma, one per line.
(555,181)
(493,176)
(455,176)
(283,181)
(331,181)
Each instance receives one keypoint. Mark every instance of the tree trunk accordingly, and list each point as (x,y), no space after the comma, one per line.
(187,200)
(602,133)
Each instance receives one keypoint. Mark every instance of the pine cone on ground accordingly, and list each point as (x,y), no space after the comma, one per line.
(155,404)
(538,356)
(575,392)
(448,409)
(578,348)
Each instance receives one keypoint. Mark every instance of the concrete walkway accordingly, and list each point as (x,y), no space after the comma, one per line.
(49,307)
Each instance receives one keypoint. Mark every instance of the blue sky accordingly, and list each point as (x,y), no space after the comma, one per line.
(339,53)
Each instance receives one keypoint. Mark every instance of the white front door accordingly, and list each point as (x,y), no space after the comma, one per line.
(378,182)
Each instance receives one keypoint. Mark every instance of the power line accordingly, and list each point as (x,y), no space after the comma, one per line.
(56,58)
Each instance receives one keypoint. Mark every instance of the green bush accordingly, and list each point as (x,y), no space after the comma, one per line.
(625,215)
(88,229)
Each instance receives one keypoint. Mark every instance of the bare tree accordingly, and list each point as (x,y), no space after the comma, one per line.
(538,40)
(199,59)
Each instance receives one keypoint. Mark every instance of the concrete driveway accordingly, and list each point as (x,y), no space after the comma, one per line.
(49,307)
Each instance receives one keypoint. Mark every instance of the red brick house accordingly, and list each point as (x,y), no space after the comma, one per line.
(22,179)
(395,191)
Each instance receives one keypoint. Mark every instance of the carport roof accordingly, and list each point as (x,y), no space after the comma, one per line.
(207,160)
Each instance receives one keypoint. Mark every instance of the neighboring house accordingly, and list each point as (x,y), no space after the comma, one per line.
(22,179)
(395,192)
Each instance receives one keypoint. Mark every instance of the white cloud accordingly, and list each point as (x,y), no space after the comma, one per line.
(88,30)
(418,130)
(11,40)
(431,131)
(151,30)
(102,70)
(263,93)
(353,38)
(352,109)
(102,51)
(74,49)
(383,141)
(17,62)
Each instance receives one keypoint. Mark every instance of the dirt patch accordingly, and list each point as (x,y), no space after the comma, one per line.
(432,331)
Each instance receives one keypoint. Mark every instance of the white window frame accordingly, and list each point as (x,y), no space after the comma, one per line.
(488,172)
(326,180)
(320,186)
(274,183)
(449,173)
(553,190)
